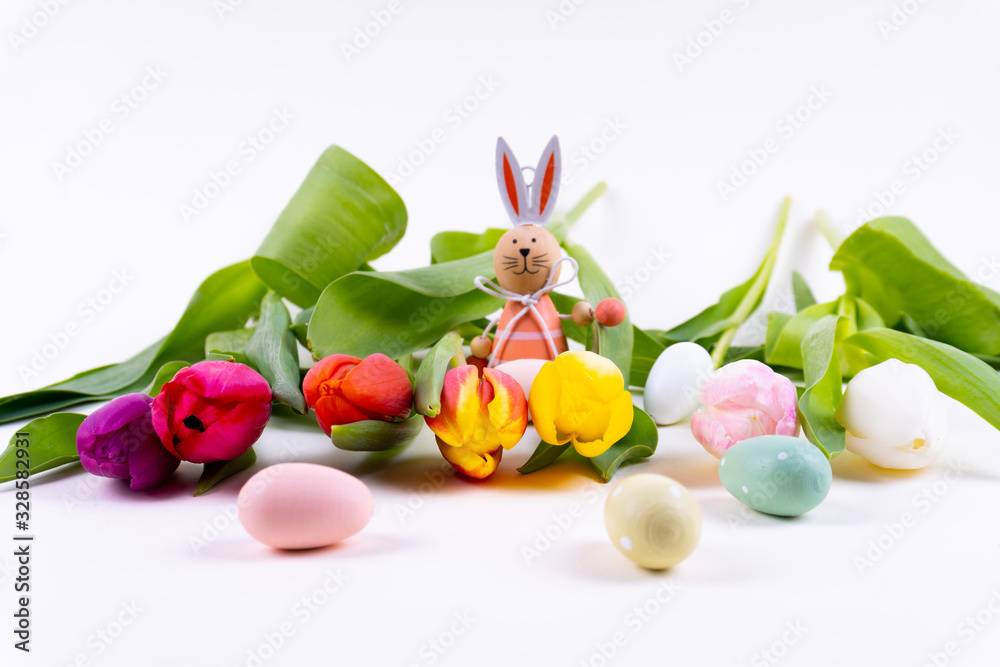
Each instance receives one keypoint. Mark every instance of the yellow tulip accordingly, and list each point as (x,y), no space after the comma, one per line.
(581,398)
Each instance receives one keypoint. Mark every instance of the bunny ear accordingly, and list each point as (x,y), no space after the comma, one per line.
(545,186)
(513,191)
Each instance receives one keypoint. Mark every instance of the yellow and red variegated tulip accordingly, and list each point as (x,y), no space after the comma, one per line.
(479,418)
(580,398)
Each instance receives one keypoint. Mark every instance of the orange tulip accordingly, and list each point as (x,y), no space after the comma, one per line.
(343,389)
(479,418)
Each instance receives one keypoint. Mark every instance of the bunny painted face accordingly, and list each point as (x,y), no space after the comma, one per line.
(525,255)
(524,258)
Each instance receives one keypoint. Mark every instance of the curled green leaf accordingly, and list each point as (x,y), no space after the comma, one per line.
(543,456)
(215,472)
(429,380)
(273,351)
(226,299)
(49,442)
(817,405)
(343,215)
(639,443)
(376,436)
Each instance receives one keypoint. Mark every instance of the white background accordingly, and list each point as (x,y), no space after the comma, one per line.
(682,129)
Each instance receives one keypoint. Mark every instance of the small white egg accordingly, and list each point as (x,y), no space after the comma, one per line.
(673,389)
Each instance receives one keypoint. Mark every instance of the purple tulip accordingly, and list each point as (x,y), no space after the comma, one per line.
(118,440)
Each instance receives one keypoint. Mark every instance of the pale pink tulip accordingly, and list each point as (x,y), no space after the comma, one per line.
(742,400)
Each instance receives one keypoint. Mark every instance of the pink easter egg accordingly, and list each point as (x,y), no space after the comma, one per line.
(303,506)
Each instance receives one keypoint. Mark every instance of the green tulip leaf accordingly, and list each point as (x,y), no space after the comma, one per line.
(817,406)
(543,456)
(645,351)
(228,343)
(639,443)
(399,312)
(164,375)
(226,299)
(894,268)
(376,436)
(217,471)
(449,246)
(300,326)
(429,380)
(803,295)
(785,347)
(50,442)
(957,374)
(273,351)
(614,343)
(343,215)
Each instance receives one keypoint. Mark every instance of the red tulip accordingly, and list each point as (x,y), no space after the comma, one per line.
(212,411)
(343,389)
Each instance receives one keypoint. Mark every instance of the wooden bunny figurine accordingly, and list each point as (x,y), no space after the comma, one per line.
(528,263)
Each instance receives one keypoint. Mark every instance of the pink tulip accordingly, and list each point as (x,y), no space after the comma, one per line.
(212,411)
(742,400)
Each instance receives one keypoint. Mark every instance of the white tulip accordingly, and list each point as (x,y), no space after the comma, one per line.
(894,415)
(673,389)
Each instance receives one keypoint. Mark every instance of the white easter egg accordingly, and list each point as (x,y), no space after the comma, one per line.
(673,389)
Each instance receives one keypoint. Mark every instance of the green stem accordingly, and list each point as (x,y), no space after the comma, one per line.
(581,207)
(560,225)
(825,225)
(749,302)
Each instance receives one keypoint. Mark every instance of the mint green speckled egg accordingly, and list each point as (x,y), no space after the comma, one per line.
(776,474)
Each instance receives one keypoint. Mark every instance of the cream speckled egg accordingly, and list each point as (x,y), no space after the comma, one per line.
(303,506)
(653,520)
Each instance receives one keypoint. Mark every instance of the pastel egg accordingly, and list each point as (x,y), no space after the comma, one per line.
(673,389)
(523,371)
(653,520)
(303,506)
(776,474)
